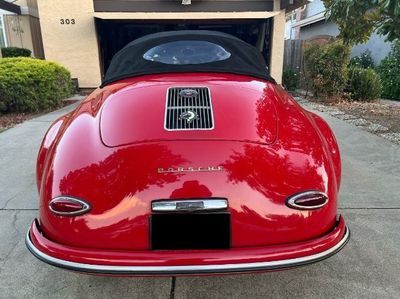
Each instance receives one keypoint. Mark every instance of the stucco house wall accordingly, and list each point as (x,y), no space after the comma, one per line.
(314,8)
(72,45)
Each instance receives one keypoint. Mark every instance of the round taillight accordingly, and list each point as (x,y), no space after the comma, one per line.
(68,206)
(309,200)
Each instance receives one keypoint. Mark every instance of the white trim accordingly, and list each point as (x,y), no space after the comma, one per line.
(310,20)
(4,30)
(25,10)
(184,15)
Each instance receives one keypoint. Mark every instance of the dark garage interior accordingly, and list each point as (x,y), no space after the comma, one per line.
(113,35)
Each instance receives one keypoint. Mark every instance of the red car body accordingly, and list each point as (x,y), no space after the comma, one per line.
(114,153)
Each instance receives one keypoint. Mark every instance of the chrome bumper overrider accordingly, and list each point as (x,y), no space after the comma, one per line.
(188,269)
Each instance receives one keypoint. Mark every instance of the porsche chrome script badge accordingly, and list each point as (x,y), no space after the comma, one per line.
(189,116)
(190,169)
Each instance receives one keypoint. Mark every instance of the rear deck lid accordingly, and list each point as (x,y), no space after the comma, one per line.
(188,112)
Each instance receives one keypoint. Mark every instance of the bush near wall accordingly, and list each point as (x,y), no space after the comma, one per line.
(364,61)
(291,79)
(364,84)
(15,52)
(32,85)
(389,71)
(326,68)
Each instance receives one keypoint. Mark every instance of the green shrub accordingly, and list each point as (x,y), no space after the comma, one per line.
(389,71)
(364,84)
(32,85)
(15,52)
(291,79)
(364,61)
(326,68)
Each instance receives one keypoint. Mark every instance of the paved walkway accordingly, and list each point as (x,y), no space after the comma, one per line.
(369,267)
(390,102)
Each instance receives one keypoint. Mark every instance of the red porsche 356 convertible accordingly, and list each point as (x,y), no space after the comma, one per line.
(189,159)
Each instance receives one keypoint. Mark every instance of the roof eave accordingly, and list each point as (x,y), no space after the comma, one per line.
(291,5)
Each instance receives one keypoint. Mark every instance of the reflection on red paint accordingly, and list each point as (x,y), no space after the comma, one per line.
(268,147)
(191,189)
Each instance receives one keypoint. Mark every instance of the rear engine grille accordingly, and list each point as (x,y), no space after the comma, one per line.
(189,108)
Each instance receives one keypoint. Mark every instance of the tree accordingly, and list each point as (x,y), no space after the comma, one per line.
(358,19)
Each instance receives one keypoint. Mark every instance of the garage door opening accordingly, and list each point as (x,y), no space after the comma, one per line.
(113,35)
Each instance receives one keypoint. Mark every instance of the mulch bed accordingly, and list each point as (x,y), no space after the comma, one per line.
(380,118)
(384,114)
(11,119)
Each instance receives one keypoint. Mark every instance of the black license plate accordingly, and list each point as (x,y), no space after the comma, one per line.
(191,231)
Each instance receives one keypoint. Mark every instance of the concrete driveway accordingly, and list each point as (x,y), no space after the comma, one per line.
(369,267)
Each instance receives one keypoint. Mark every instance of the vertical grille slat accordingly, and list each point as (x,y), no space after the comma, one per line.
(202,123)
(206,112)
(189,108)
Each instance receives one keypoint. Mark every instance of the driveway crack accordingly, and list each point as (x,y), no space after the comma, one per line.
(18,193)
(13,225)
(172,293)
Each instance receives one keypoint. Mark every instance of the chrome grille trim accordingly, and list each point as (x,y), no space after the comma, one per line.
(176,105)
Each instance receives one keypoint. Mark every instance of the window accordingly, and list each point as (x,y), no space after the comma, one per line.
(187,52)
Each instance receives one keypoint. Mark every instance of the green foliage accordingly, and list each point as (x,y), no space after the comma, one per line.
(364,84)
(15,52)
(326,68)
(364,61)
(291,79)
(389,71)
(32,85)
(357,19)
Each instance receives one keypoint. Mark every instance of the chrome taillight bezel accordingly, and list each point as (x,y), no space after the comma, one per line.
(86,207)
(291,201)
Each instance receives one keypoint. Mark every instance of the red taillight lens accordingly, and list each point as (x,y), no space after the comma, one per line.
(309,200)
(67,206)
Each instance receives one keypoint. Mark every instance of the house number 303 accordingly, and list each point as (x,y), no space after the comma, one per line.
(67,21)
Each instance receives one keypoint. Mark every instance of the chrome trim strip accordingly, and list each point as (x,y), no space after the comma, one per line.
(86,206)
(197,129)
(189,205)
(189,269)
(180,107)
(291,201)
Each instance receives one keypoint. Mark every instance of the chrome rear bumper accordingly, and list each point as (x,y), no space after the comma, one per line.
(186,269)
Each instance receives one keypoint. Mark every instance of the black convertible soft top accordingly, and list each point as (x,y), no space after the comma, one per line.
(143,56)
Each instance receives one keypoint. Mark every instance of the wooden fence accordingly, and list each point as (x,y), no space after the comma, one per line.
(293,56)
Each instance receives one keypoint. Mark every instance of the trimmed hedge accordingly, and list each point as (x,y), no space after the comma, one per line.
(15,52)
(32,85)
(389,71)
(326,68)
(364,84)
